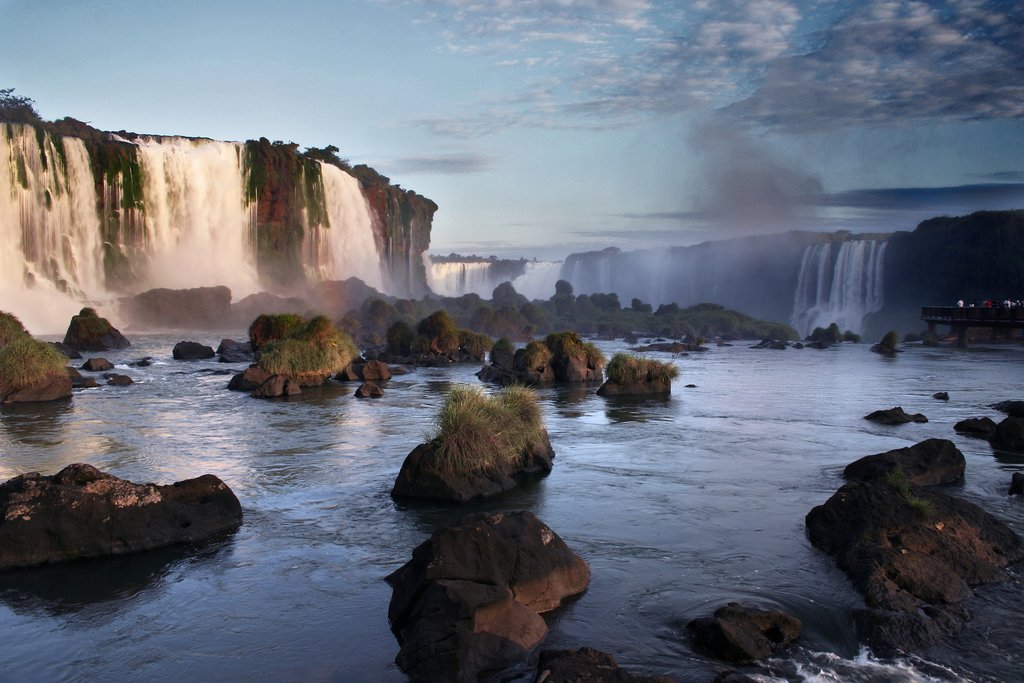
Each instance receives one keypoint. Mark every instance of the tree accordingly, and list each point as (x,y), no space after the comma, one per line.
(17,109)
(563,288)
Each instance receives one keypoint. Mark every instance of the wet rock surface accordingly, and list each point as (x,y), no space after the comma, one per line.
(736,633)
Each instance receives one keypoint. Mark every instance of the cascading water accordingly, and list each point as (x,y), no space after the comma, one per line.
(51,257)
(456,278)
(538,280)
(345,247)
(198,222)
(841,288)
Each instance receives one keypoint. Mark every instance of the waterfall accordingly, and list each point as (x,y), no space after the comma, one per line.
(455,278)
(197,219)
(51,257)
(538,280)
(840,287)
(345,247)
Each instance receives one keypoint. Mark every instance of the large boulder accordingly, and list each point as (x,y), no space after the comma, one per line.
(744,634)
(1009,434)
(250,379)
(32,371)
(81,512)
(190,350)
(912,552)
(658,387)
(586,665)
(197,308)
(369,390)
(371,371)
(894,416)
(87,331)
(419,479)
(469,600)
(1011,408)
(935,461)
(52,388)
(97,364)
(277,386)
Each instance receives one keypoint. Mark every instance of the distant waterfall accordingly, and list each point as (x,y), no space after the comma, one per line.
(455,278)
(538,280)
(838,287)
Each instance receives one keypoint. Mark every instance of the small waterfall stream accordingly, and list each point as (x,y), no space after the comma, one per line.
(838,285)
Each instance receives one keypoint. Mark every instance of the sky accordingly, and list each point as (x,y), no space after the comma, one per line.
(543,127)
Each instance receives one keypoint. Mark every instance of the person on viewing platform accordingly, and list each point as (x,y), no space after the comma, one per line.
(960,303)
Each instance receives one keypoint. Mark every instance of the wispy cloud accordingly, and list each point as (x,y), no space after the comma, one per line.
(448,164)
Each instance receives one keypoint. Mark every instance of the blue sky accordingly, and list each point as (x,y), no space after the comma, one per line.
(542,127)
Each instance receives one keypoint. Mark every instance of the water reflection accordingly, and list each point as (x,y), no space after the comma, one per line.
(66,588)
(637,408)
(36,424)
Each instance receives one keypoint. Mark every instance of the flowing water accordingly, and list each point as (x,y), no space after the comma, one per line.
(679,506)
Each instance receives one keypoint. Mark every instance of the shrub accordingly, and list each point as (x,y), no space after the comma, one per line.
(476,432)
(476,345)
(26,361)
(440,330)
(503,345)
(570,344)
(891,339)
(536,355)
(270,327)
(628,369)
(316,347)
(10,328)
(851,336)
(88,324)
(400,338)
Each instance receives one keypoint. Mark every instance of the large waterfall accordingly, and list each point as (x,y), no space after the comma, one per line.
(838,286)
(82,227)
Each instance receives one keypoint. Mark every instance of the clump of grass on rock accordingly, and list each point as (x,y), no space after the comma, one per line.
(34,366)
(311,352)
(629,374)
(10,328)
(480,443)
(270,327)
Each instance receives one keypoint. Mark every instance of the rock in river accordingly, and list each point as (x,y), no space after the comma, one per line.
(81,512)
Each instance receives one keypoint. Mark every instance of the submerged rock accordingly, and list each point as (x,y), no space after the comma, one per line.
(119,380)
(941,396)
(744,634)
(81,512)
(369,390)
(1017,484)
(371,371)
(1011,408)
(97,365)
(249,379)
(277,386)
(894,416)
(231,351)
(586,665)
(653,387)
(470,599)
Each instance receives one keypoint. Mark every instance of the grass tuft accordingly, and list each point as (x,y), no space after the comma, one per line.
(315,347)
(26,361)
(536,355)
(626,369)
(477,432)
(10,328)
(270,327)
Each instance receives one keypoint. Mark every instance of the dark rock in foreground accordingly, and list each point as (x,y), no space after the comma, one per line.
(912,552)
(941,396)
(97,365)
(470,599)
(586,665)
(52,388)
(981,427)
(652,388)
(1011,408)
(934,461)
(190,350)
(1009,434)
(894,416)
(417,479)
(744,634)
(116,380)
(371,371)
(775,344)
(89,332)
(81,512)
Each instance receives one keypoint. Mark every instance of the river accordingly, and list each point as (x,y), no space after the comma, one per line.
(679,506)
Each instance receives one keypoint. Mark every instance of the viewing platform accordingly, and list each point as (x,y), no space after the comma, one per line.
(998,319)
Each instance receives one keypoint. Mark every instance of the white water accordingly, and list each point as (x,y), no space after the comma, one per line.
(456,278)
(538,281)
(347,247)
(196,215)
(50,252)
(839,290)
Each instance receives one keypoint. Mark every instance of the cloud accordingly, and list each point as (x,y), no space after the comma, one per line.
(963,198)
(448,164)
(1002,176)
